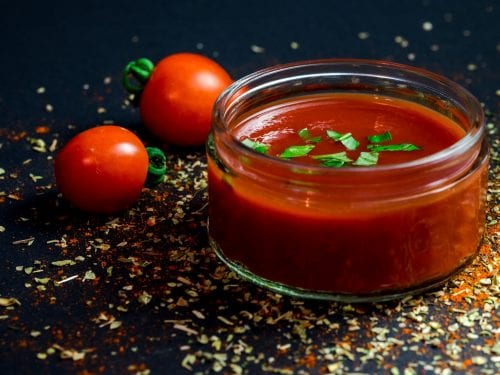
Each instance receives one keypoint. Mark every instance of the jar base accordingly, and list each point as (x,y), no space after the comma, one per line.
(301,293)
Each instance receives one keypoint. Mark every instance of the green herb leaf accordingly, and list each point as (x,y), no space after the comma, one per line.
(304,133)
(346,139)
(380,138)
(333,160)
(296,151)
(62,263)
(366,159)
(256,146)
(306,136)
(399,147)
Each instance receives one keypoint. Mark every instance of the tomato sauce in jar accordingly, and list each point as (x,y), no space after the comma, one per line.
(349,232)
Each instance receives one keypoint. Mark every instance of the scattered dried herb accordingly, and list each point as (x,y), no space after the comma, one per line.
(152,264)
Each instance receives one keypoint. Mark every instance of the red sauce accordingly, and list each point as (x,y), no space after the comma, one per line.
(346,241)
(358,114)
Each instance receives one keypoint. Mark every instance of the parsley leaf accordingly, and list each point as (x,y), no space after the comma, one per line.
(304,133)
(306,136)
(333,160)
(380,138)
(366,159)
(399,147)
(346,139)
(256,146)
(296,151)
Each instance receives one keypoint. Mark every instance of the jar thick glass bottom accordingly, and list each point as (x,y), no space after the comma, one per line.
(296,292)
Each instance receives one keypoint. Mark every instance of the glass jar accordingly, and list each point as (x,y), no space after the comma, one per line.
(350,234)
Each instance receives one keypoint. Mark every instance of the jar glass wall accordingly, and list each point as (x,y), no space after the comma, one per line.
(351,233)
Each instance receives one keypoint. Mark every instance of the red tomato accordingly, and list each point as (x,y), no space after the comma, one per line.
(177,100)
(102,169)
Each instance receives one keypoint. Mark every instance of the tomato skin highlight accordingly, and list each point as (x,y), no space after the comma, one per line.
(177,101)
(102,169)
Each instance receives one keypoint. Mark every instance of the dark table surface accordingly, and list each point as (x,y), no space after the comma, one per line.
(141,292)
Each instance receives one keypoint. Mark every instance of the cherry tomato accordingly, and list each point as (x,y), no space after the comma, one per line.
(177,99)
(102,169)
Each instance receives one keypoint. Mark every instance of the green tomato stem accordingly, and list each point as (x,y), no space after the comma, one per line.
(157,166)
(140,70)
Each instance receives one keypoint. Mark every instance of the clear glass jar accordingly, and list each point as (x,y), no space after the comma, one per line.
(399,229)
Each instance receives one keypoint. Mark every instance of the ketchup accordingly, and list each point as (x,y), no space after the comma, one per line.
(360,231)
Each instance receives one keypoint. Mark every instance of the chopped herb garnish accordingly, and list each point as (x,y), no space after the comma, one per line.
(399,147)
(314,139)
(380,138)
(304,133)
(366,158)
(334,135)
(333,160)
(306,136)
(296,151)
(346,139)
(256,146)
(339,159)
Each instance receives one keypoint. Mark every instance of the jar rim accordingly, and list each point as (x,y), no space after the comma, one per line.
(472,136)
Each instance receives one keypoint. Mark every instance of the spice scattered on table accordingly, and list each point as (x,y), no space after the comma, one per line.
(87,290)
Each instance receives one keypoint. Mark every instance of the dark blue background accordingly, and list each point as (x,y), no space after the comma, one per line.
(64,44)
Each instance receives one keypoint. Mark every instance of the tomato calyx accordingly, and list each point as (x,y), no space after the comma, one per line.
(140,70)
(157,166)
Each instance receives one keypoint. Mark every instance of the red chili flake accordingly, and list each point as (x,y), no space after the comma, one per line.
(308,361)
(467,363)
(73,241)
(13,136)
(42,129)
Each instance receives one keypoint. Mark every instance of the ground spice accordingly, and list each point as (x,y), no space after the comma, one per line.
(111,294)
